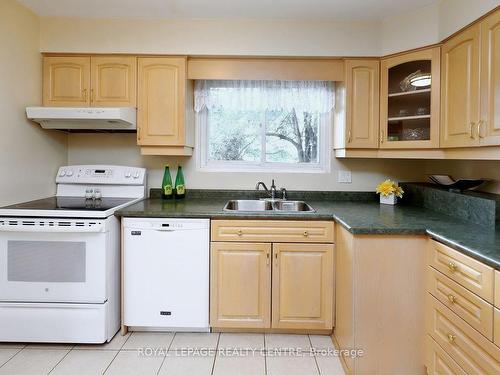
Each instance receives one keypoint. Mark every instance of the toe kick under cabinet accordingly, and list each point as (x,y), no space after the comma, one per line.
(269,275)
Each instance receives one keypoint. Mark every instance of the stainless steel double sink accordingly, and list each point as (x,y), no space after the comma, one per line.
(254,205)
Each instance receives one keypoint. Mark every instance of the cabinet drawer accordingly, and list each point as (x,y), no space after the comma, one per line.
(468,272)
(272,231)
(496,327)
(471,350)
(440,363)
(471,308)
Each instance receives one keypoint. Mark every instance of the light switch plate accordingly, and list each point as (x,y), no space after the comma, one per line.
(345,177)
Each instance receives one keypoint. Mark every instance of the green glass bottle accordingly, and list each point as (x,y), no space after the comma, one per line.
(180,187)
(166,185)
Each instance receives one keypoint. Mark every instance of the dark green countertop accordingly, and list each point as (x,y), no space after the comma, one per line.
(359,217)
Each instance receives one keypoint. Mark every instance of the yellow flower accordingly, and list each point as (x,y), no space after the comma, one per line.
(389,187)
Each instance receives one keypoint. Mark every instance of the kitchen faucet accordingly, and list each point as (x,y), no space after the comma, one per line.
(272,191)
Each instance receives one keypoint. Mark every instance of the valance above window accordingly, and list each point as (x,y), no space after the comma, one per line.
(315,96)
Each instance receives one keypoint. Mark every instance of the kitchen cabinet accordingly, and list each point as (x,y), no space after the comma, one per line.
(409,100)
(489,132)
(460,89)
(165,102)
(379,302)
(460,313)
(362,103)
(113,81)
(471,86)
(260,283)
(66,81)
(240,285)
(89,81)
(302,286)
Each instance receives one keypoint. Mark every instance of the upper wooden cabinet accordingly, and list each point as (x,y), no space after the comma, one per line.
(471,86)
(460,85)
(409,100)
(302,286)
(113,81)
(66,81)
(89,81)
(489,132)
(162,128)
(362,103)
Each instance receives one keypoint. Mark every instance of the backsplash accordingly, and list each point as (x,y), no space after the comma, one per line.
(476,207)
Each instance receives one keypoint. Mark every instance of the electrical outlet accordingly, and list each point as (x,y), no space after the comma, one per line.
(345,177)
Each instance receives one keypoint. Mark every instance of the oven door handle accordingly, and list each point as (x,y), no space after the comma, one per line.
(98,228)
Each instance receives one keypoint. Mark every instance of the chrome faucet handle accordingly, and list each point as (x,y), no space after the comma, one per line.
(283,193)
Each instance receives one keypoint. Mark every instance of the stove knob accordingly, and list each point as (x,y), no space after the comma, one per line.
(69,173)
(137,175)
(127,174)
(62,173)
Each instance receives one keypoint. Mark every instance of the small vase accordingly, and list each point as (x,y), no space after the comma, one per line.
(390,199)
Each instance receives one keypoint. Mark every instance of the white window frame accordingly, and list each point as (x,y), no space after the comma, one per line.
(203,163)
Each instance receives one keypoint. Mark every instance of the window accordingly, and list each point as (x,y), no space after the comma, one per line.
(264,125)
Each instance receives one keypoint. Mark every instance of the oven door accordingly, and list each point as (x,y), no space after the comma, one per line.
(52,260)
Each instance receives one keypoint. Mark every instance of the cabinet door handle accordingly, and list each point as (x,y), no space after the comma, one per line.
(349,136)
(472,130)
(452,298)
(92,97)
(479,127)
(268,258)
(276,259)
(84,93)
(452,266)
(451,338)
(306,233)
(239,232)
(381,136)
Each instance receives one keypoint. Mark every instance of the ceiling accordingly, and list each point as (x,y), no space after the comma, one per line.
(219,9)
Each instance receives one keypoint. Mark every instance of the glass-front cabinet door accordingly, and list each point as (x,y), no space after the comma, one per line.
(409,100)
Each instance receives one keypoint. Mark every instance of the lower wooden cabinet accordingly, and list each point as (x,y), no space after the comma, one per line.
(302,286)
(282,286)
(240,285)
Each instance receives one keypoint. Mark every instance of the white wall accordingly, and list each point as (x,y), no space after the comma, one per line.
(29,156)
(211,37)
(122,149)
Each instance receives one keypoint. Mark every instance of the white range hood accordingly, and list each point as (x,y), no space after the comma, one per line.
(66,118)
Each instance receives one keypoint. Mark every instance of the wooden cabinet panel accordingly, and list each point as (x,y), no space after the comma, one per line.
(496,327)
(404,105)
(468,272)
(497,289)
(440,363)
(460,89)
(66,81)
(161,101)
(471,350)
(490,80)
(272,231)
(240,285)
(113,81)
(471,308)
(302,286)
(362,103)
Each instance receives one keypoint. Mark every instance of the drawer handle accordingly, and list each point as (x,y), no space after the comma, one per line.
(451,338)
(306,233)
(239,232)
(452,298)
(452,266)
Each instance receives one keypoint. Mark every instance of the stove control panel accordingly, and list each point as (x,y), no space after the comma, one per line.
(101,174)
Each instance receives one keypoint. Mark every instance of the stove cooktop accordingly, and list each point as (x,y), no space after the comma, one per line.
(70,204)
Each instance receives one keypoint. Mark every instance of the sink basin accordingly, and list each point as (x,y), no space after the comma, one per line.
(248,205)
(293,206)
(266,205)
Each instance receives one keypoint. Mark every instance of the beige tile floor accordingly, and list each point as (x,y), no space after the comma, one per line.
(141,353)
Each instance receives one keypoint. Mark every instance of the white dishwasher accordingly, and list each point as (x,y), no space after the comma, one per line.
(166,274)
